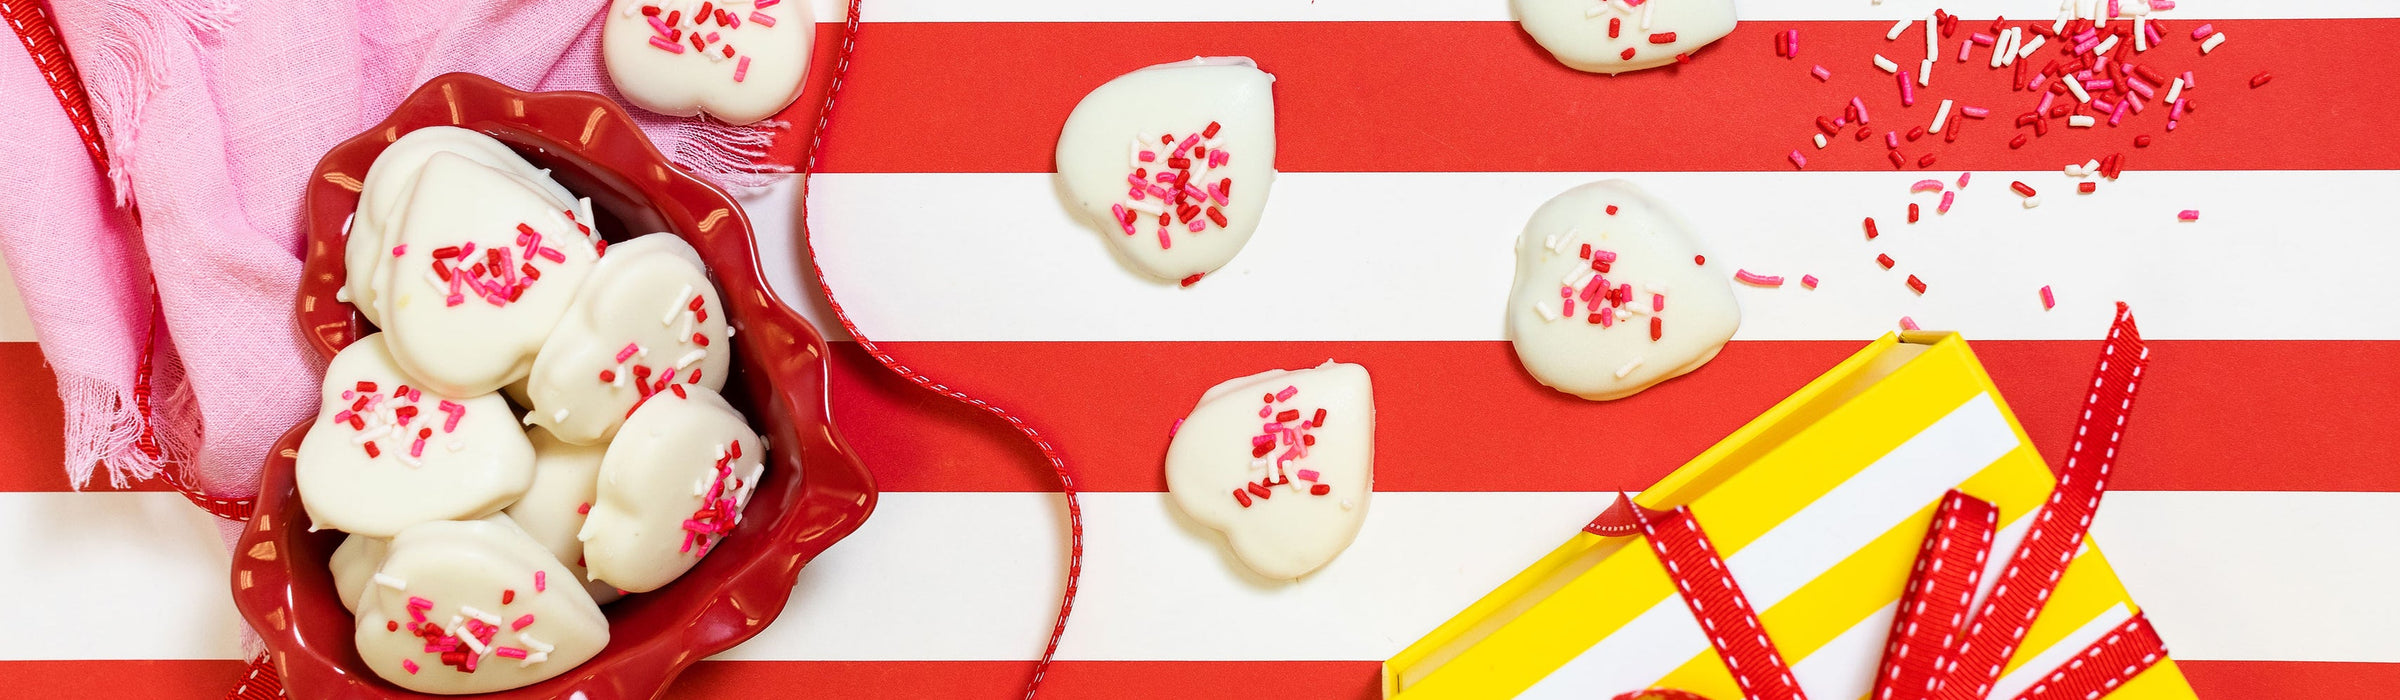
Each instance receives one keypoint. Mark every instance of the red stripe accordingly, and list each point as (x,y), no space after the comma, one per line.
(2220,414)
(990,97)
(1168,680)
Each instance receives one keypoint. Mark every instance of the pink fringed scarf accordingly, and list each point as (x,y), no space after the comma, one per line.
(212,116)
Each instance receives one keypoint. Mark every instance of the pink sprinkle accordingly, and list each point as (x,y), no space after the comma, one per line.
(734,21)
(2188,215)
(1566,308)
(660,26)
(2188,81)
(1976,112)
(520,623)
(1908,89)
(1908,324)
(417,449)
(2162,4)
(1748,277)
(1287,393)
(762,19)
(1171,431)
(1799,162)
(344,416)
(1861,107)
(1891,139)
(1982,39)
(764,4)
(1264,411)
(1308,475)
(628,352)
(1966,49)
(1809,281)
(1658,302)
(1925,186)
(541,581)
(664,45)
(419,602)
(408,665)
(509,653)
(1944,207)
(2202,31)
(1164,243)
(1821,73)
(741,69)
(551,254)
(1962,178)
(399,250)
(2048,302)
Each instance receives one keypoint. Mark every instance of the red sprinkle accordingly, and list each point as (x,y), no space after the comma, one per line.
(508,596)
(1916,284)
(1319,490)
(2086,187)
(1242,497)
(1663,38)
(1654,328)
(2021,188)
(2260,79)
(1627,55)
(1884,260)
(1287,415)
(1699,259)
(1871,233)
(1260,490)
(585,509)
(2142,141)
(1612,27)
(1912,212)
(1194,279)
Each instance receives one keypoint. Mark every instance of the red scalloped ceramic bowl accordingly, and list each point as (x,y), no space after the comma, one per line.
(815,493)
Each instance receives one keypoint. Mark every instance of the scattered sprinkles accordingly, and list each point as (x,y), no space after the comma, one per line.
(720,503)
(672,30)
(375,416)
(1286,428)
(1173,184)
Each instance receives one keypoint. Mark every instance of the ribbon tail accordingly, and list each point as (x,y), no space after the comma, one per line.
(2125,652)
(1941,588)
(1717,602)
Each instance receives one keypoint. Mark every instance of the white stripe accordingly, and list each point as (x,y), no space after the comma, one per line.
(1331,266)
(966,576)
(2067,647)
(1498,11)
(1799,549)
(1845,666)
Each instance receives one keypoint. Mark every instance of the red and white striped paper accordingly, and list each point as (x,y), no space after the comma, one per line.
(2252,505)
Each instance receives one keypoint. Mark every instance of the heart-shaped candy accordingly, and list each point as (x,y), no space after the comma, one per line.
(1173,162)
(1612,296)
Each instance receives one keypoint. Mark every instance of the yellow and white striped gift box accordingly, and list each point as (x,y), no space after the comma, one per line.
(1819,507)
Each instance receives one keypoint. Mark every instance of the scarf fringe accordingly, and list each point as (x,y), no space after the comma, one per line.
(104,427)
(133,45)
(731,156)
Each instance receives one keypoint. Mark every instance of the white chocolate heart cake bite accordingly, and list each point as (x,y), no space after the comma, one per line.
(385,453)
(672,484)
(1281,462)
(472,607)
(392,179)
(482,268)
(566,478)
(737,60)
(646,318)
(1174,162)
(1612,295)
(353,564)
(1614,36)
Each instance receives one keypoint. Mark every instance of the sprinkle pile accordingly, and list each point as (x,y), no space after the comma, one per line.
(1180,192)
(499,276)
(685,308)
(672,29)
(721,497)
(374,416)
(472,633)
(1287,428)
(1587,293)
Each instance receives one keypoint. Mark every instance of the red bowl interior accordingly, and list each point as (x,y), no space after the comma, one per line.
(815,492)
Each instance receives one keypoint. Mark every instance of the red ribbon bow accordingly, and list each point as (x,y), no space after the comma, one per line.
(1936,650)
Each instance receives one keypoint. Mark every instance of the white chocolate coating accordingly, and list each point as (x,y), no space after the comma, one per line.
(354,564)
(1576,31)
(468,470)
(1291,530)
(468,342)
(393,178)
(1655,256)
(669,462)
(763,76)
(566,478)
(637,297)
(1101,147)
(473,574)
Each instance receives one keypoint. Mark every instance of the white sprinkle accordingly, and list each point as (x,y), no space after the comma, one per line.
(2002,50)
(2091,166)
(479,648)
(2060,25)
(1629,368)
(2076,86)
(2141,32)
(675,306)
(2174,91)
(2105,45)
(471,611)
(390,581)
(343,294)
(1579,277)
(2031,202)
(1897,28)
(1594,11)
(1940,116)
(1819,138)
(2213,41)
(1135,154)
(1550,242)
(534,644)
(2027,50)
(1925,73)
(700,487)
(431,280)
(368,436)
(531,417)
(619,381)
(410,462)
(1146,206)
(1933,39)
(690,357)
(560,416)
(2075,170)
(532,657)
(1548,312)
(2082,121)
(1346,504)
(1646,7)
(456,445)
(683,333)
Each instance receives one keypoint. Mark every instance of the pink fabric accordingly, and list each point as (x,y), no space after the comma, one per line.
(214,116)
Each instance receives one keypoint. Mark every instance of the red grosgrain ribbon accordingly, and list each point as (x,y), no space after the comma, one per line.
(2059,528)
(32,24)
(2127,650)
(1617,521)
(1066,479)
(1717,602)
(1924,638)
(259,683)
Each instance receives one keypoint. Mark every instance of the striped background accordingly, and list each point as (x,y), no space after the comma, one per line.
(2257,496)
